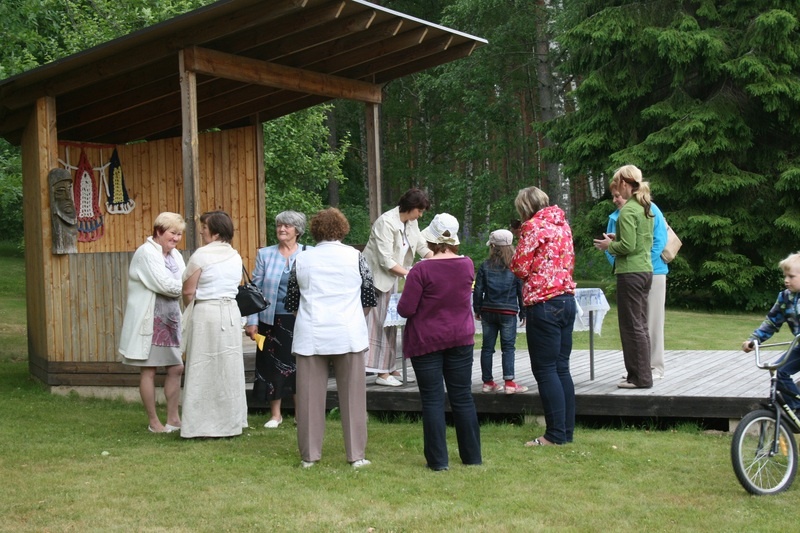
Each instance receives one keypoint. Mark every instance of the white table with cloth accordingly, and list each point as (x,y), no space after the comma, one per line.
(591,308)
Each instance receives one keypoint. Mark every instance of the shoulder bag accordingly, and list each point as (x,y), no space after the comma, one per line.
(249,298)
(673,245)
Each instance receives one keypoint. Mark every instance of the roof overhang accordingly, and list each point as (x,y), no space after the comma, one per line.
(255,60)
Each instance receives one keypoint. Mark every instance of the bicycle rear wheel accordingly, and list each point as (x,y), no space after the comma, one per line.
(759,470)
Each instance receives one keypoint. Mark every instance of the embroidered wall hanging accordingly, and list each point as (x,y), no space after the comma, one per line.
(118,202)
(87,200)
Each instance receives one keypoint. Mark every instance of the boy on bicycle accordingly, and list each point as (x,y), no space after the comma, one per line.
(785,310)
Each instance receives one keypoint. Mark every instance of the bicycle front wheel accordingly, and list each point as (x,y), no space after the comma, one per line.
(760,465)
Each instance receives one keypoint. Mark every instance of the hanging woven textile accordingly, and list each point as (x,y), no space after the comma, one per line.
(87,200)
(118,202)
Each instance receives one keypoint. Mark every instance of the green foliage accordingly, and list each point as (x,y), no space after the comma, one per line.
(299,163)
(10,192)
(704,97)
(13,318)
(360,225)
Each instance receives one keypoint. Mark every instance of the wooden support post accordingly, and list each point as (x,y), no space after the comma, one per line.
(261,186)
(190,151)
(374,170)
(43,270)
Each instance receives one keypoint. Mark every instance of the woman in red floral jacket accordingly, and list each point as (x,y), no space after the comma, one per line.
(544,260)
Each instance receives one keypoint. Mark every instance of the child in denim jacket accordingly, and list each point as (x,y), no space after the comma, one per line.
(785,310)
(496,301)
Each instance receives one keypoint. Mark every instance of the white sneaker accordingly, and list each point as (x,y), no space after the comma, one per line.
(307,464)
(360,463)
(391,381)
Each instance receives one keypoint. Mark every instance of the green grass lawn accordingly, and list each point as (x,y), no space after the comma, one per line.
(683,330)
(75,464)
(13,335)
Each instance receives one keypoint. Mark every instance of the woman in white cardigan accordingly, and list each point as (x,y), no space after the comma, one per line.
(393,242)
(151,329)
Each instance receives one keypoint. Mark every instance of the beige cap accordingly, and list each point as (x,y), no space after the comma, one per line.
(442,230)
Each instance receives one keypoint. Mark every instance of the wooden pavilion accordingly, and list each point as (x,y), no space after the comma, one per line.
(181,104)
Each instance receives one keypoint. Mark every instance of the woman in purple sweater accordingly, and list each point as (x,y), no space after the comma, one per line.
(439,339)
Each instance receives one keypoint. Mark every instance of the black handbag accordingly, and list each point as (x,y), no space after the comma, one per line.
(249,298)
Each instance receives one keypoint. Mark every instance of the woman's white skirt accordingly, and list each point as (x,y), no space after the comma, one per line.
(214,401)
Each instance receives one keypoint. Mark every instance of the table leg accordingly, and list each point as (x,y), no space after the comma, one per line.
(591,345)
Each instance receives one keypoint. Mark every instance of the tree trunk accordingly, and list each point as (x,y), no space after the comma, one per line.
(547,111)
(333,184)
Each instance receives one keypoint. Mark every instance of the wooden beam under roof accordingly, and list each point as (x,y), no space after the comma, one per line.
(312,18)
(129,82)
(451,54)
(246,70)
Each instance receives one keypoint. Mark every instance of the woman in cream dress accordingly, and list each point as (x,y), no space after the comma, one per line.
(214,402)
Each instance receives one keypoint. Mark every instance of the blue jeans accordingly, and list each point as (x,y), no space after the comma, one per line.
(549,334)
(506,325)
(785,382)
(455,366)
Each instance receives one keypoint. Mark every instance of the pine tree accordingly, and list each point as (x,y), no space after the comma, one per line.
(703,96)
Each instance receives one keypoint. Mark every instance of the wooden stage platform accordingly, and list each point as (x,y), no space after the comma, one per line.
(697,385)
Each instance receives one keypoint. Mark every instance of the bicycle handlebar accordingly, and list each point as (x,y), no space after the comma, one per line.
(780,361)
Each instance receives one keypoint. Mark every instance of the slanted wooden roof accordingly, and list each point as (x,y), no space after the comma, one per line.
(256,60)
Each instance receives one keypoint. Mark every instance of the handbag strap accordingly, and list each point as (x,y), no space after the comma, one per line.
(246,275)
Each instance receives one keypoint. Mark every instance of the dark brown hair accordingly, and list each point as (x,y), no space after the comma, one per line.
(413,199)
(218,223)
(439,248)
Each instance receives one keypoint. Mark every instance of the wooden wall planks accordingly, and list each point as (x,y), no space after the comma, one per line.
(81,299)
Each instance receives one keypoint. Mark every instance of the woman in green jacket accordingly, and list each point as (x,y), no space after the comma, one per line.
(634,270)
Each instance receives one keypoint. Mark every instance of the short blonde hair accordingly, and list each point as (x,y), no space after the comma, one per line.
(790,261)
(167,221)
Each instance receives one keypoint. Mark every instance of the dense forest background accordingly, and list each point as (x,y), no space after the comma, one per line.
(703,95)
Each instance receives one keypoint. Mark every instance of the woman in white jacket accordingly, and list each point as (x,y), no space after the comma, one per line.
(393,242)
(151,329)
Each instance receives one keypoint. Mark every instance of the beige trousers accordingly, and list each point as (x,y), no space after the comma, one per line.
(312,390)
(656,302)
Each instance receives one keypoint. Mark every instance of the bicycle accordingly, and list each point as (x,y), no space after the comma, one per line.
(764,451)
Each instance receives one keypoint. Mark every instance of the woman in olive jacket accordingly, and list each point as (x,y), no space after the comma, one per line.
(634,271)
